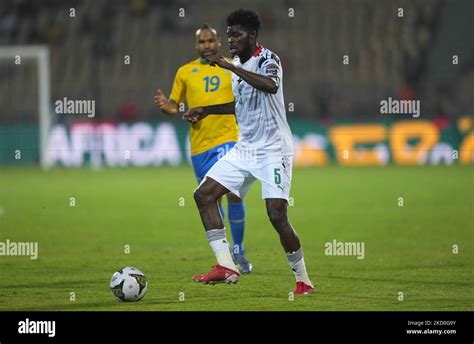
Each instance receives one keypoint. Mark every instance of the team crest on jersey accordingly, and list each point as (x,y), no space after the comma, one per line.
(195,70)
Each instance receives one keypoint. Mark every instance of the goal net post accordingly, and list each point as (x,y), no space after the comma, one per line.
(25,96)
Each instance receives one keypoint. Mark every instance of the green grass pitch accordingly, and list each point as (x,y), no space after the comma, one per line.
(408,249)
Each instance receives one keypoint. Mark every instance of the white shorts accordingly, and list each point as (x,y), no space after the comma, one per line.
(237,173)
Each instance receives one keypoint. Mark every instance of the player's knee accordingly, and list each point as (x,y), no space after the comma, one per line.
(203,196)
(277,216)
(233,198)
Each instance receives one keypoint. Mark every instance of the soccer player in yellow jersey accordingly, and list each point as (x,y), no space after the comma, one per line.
(211,138)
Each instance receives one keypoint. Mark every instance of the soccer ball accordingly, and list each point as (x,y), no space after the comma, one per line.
(128,284)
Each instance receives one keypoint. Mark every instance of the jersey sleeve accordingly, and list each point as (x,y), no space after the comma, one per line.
(178,90)
(270,66)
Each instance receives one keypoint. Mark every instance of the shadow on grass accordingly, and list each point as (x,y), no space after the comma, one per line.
(51,284)
(390,281)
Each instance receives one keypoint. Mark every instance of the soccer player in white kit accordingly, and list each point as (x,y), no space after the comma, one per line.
(264,150)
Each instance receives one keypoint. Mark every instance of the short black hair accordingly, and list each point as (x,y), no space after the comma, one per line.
(247,19)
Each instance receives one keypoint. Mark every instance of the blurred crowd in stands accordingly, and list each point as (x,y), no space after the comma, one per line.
(90,40)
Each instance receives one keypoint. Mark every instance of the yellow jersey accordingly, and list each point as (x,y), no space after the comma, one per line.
(203,85)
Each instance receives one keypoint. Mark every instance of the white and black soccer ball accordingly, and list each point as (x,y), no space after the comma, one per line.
(128,284)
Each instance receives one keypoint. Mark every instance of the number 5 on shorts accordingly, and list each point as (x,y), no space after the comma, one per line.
(277,176)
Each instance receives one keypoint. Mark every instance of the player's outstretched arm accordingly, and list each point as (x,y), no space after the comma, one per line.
(196,114)
(260,82)
(169,107)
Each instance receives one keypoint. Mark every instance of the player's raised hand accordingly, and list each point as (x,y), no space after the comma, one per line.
(218,60)
(194,115)
(165,105)
(160,99)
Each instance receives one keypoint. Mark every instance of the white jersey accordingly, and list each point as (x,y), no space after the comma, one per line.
(261,116)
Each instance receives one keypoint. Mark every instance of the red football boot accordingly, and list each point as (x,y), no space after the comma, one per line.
(303,288)
(218,274)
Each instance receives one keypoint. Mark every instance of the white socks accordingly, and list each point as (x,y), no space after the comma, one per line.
(296,261)
(217,240)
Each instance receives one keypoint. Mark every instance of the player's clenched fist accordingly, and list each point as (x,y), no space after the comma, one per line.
(194,115)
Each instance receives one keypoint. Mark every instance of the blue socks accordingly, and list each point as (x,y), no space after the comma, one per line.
(236,212)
